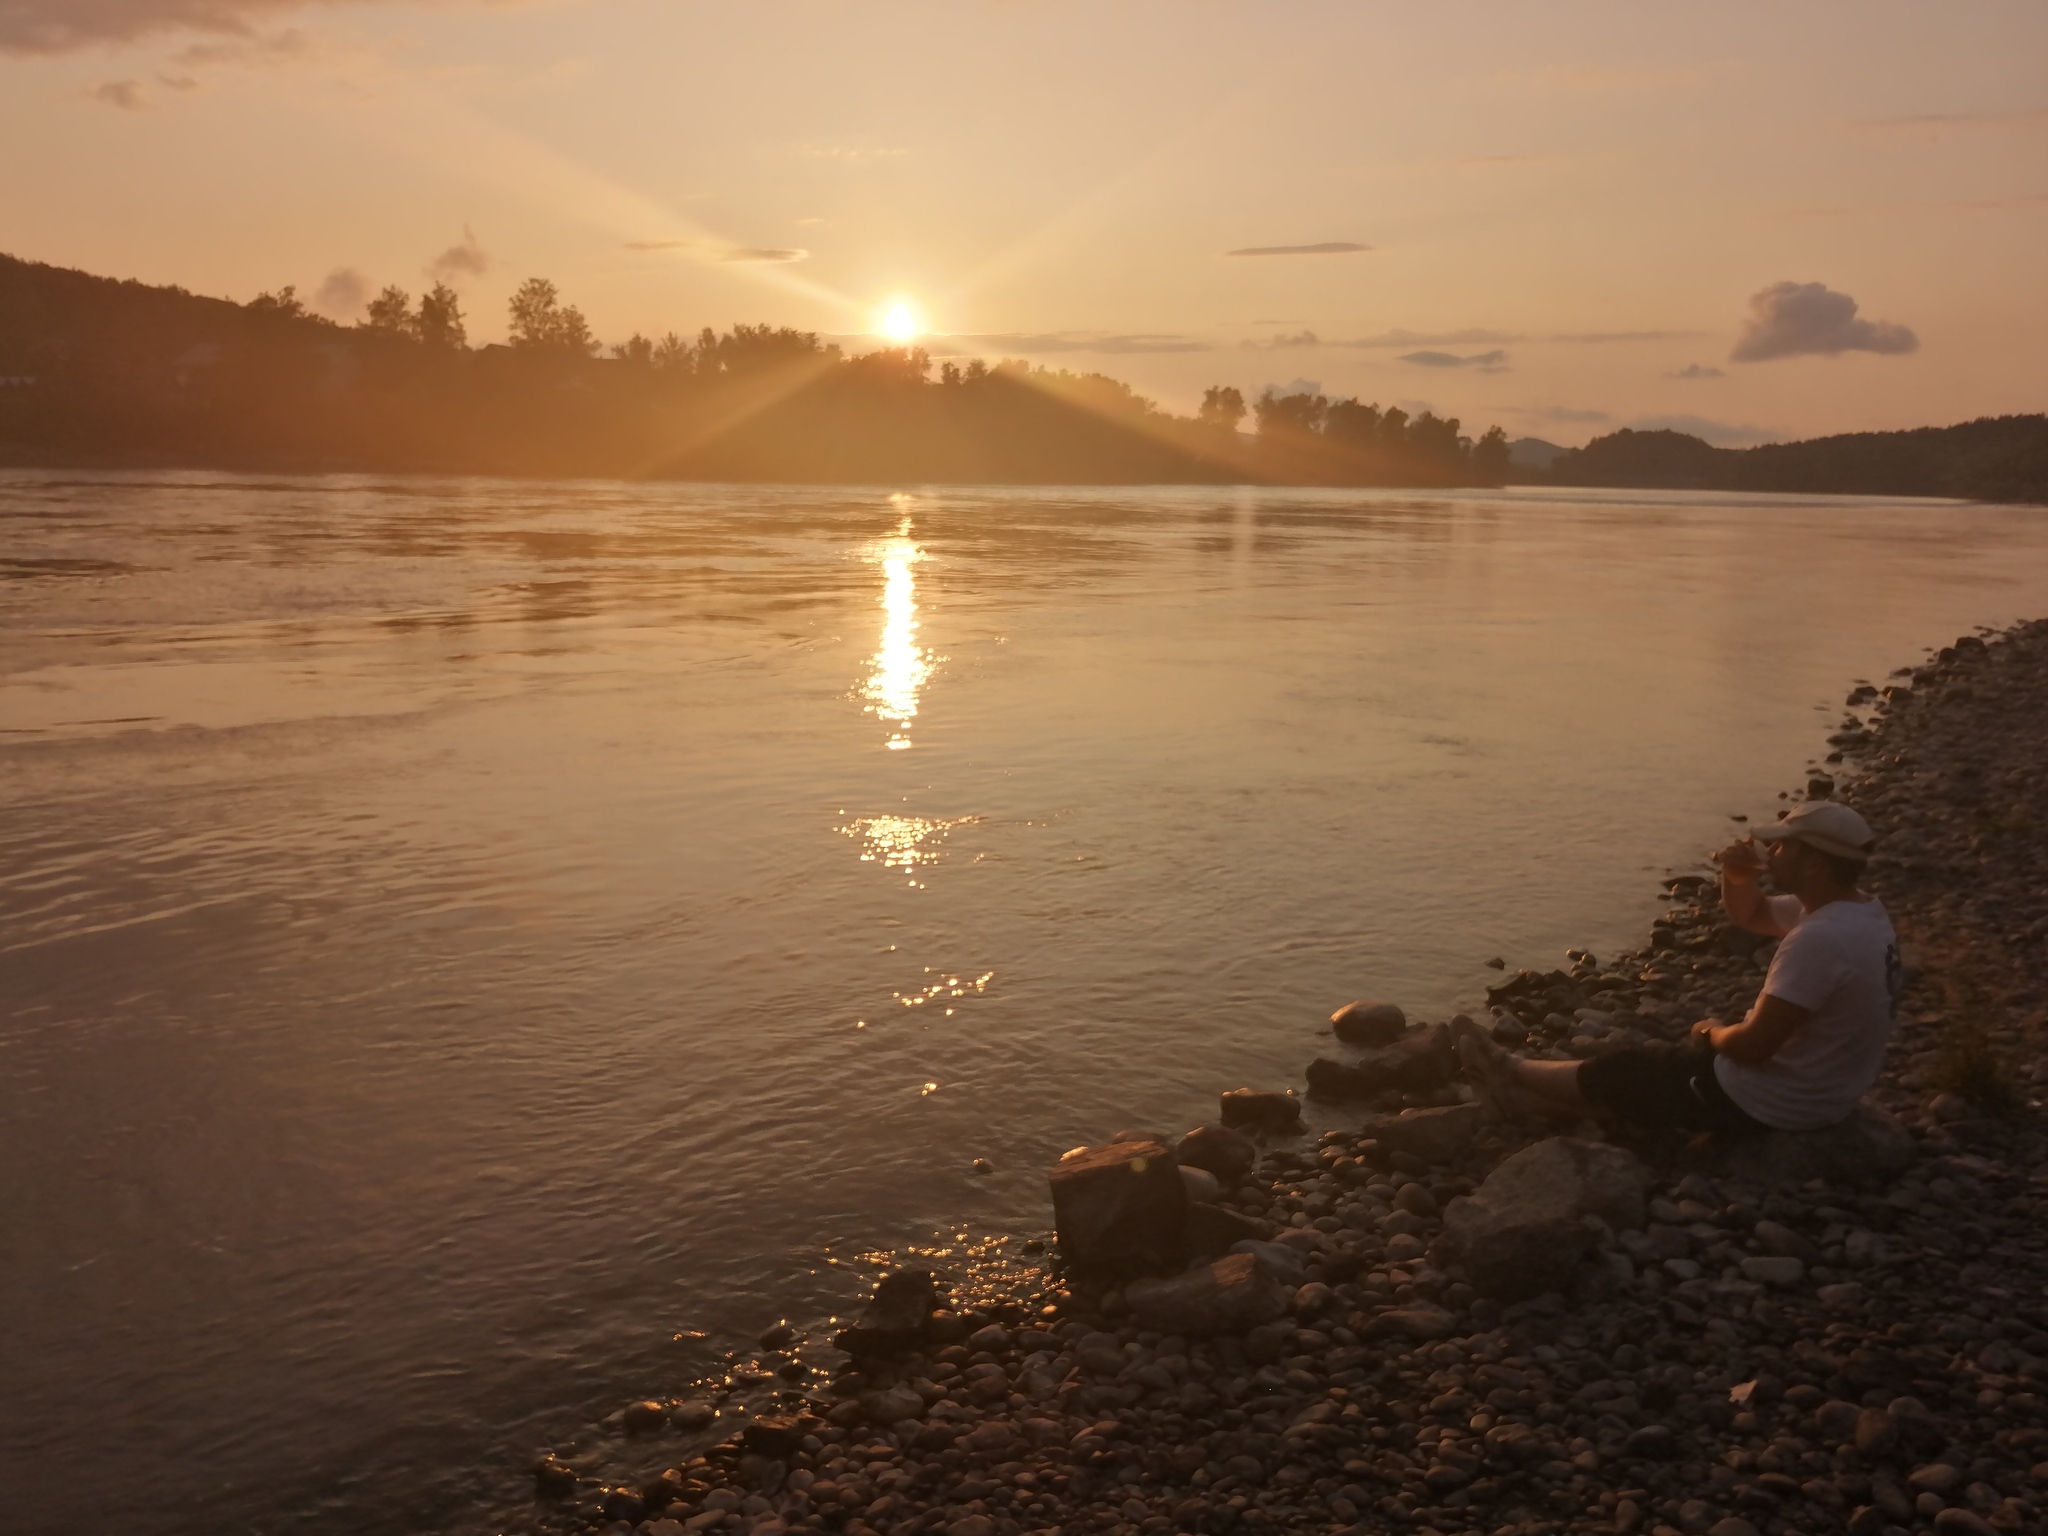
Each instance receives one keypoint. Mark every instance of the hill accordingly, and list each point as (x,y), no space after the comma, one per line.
(100,371)
(1994,458)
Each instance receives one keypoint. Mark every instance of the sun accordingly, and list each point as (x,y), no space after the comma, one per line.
(899,321)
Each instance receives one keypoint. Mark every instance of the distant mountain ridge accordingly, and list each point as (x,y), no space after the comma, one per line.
(1994,458)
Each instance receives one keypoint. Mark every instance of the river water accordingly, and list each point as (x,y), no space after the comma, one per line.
(470,950)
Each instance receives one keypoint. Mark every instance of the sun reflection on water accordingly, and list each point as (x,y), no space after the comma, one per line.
(898,842)
(901,666)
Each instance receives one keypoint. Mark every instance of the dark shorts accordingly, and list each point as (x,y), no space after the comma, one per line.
(1660,1086)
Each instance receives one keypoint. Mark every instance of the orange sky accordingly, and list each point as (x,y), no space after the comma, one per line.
(1555,216)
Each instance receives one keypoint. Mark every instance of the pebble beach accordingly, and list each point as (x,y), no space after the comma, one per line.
(1367,1330)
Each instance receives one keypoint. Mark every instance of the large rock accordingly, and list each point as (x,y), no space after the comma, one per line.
(1210,1231)
(1434,1135)
(1229,1296)
(1420,1060)
(1220,1151)
(1524,1229)
(1119,1207)
(1869,1145)
(1261,1109)
(895,1318)
(1369,1024)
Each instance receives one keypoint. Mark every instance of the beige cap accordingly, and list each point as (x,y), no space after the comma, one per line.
(1827,825)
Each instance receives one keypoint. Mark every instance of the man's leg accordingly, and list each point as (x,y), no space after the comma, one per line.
(1518,1086)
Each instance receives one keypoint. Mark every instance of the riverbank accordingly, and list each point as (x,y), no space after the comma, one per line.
(1845,1351)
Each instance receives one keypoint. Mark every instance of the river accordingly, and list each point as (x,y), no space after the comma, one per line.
(471,950)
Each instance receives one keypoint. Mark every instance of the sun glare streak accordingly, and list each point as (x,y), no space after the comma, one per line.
(901,666)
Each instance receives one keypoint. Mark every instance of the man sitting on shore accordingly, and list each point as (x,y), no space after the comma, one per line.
(1809,1047)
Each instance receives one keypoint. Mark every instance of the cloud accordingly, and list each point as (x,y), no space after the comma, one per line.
(1812,320)
(1696,371)
(2026,118)
(1597,337)
(1044,343)
(1325,248)
(1302,338)
(712,250)
(342,295)
(1486,362)
(68,26)
(1468,338)
(1722,434)
(127,95)
(1560,413)
(463,259)
(1291,387)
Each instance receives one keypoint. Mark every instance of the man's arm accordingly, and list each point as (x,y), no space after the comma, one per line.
(1746,904)
(1760,1036)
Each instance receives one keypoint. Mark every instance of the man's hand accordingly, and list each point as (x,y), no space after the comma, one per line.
(1770,1024)
(1740,860)
(1703,1031)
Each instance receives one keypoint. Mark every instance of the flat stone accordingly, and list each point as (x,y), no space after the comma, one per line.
(1420,1060)
(1781,1240)
(891,1406)
(1231,1295)
(1120,1206)
(1415,1323)
(1210,1231)
(1202,1185)
(1369,1023)
(1769,1269)
(1434,1135)
(1935,1477)
(1957,1521)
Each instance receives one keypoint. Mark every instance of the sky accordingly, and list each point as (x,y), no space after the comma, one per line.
(1751,221)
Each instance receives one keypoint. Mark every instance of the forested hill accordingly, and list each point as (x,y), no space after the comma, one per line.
(1995,458)
(99,371)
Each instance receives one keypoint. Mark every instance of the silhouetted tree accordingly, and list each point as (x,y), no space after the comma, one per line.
(541,322)
(1490,458)
(1284,416)
(1353,425)
(391,312)
(1222,409)
(440,319)
(635,351)
(285,304)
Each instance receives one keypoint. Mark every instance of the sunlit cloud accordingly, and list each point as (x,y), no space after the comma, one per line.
(1321,248)
(1696,371)
(1812,320)
(1485,362)
(713,250)
(66,26)
(1465,338)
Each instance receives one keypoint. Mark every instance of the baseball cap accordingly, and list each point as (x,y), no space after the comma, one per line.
(1827,825)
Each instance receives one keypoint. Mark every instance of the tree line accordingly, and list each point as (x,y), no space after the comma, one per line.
(125,371)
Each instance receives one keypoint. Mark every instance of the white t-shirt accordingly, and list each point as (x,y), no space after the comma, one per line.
(1842,962)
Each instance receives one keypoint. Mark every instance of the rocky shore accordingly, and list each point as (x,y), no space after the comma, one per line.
(1435,1322)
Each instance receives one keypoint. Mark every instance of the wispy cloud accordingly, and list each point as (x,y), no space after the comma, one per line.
(1321,248)
(1812,320)
(1486,362)
(463,259)
(124,95)
(2026,117)
(711,250)
(66,26)
(1564,415)
(1284,341)
(342,294)
(1046,343)
(1695,371)
(1597,338)
(1467,338)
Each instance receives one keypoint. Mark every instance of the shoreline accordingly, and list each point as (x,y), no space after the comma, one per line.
(1838,1350)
